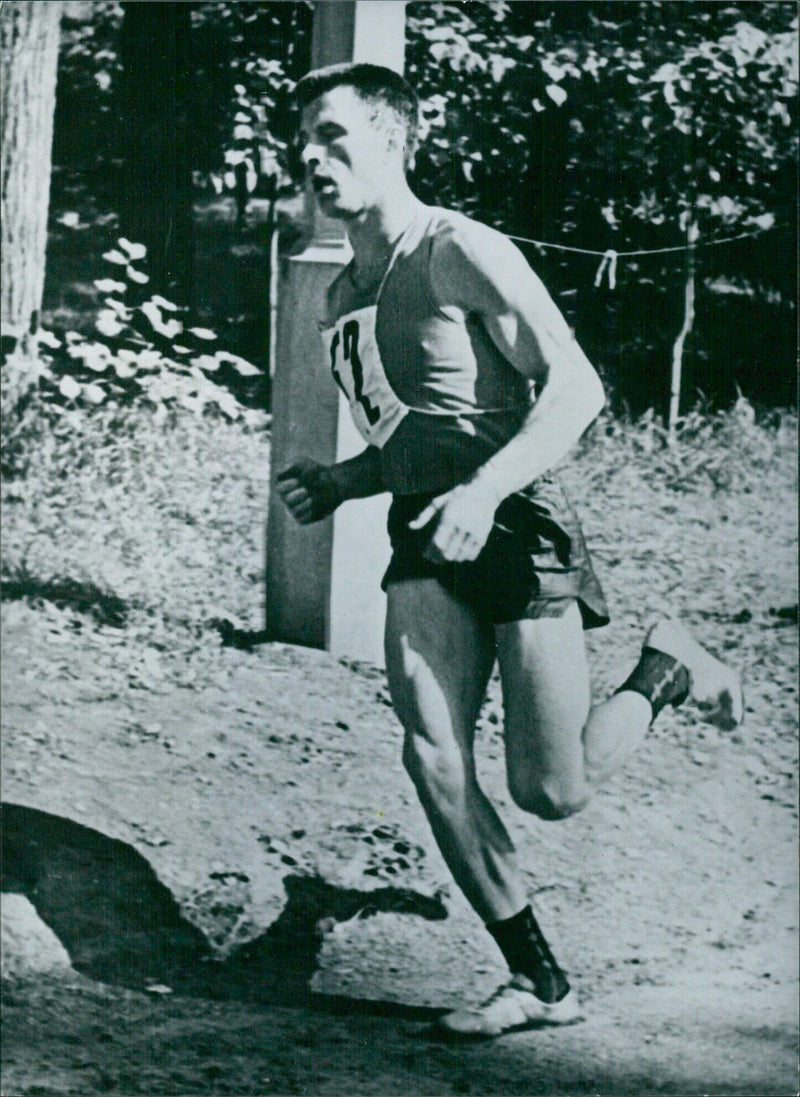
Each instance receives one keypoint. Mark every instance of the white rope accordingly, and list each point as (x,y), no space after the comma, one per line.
(642,251)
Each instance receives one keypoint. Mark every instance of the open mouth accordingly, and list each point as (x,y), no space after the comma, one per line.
(323,185)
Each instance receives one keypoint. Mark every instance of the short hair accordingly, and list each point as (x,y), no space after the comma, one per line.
(374,84)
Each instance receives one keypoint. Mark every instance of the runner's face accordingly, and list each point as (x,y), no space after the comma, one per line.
(344,153)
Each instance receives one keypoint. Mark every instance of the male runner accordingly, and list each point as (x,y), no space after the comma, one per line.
(468,387)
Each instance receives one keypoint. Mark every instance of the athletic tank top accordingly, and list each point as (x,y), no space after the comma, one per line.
(425,382)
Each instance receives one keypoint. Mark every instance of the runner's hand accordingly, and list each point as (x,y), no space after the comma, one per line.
(309,490)
(464,522)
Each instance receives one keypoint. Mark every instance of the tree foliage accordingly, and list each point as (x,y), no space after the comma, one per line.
(249,56)
(606,126)
(89,66)
(663,104)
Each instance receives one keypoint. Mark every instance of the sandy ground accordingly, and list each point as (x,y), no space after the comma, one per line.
(251,903)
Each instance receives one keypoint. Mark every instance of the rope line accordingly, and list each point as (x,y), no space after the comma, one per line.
(643,251)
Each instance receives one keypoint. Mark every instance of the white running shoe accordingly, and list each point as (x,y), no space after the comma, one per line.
(511,1007)
(714,687)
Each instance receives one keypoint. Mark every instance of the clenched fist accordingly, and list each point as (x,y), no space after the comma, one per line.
(309,490)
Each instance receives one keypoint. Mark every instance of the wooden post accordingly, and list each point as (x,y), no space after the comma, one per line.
(692,232)
(323,581)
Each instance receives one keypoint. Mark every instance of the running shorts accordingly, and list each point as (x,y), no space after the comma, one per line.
(534,564)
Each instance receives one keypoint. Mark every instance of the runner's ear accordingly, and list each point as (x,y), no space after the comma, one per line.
(395,138)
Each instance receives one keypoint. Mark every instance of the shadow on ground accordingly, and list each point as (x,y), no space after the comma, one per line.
(121,925)
(105,608)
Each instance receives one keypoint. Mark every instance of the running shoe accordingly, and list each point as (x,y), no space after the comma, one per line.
(714,687)
(513,1006)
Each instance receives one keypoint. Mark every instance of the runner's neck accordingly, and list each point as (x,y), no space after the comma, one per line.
(374,236)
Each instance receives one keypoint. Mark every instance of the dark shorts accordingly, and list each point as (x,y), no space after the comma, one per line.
(534,564)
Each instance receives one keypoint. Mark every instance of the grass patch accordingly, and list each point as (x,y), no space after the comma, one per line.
(159,523)
(735,450)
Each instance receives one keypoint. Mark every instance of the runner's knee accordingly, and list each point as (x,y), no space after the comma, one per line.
(549,799)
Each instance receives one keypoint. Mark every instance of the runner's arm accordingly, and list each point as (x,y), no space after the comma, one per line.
(484,274)
(312,491)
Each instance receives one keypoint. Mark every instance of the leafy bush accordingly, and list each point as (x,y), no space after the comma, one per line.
(144,351)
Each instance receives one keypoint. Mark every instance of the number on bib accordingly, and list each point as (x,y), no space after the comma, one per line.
(350,333)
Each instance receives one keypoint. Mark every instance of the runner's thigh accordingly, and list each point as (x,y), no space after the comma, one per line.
(438,659)
(545,678)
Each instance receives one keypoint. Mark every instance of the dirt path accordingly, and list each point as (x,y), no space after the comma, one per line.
(266,796)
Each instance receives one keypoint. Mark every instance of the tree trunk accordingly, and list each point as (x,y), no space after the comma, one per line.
(29,37)
(156,194)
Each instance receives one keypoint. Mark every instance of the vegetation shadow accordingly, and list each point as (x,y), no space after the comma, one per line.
(121,925)
(105,608)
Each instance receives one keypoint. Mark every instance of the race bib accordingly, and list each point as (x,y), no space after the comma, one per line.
(355,362)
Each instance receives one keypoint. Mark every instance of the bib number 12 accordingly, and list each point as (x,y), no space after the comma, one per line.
(349,342)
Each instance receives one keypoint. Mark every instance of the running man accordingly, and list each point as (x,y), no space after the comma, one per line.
(468,388)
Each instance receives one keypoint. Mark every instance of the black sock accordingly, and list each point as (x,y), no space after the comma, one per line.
(659,678)
(527,953)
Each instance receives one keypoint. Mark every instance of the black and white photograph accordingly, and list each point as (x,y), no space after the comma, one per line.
(399,548)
